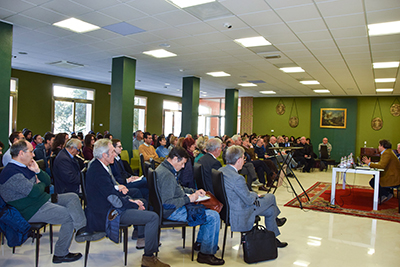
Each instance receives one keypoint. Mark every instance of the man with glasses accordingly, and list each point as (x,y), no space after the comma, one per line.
(22,185)
(66,169)
(14,137)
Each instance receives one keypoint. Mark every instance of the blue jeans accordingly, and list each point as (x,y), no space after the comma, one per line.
(209,231)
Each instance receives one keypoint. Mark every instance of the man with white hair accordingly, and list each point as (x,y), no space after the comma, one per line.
(103,195)
(66,169)
(209,162)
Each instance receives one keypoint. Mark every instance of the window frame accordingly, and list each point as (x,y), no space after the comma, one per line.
(140,107)
(12,125)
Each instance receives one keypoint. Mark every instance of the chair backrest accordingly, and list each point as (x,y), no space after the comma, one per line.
(324,152)
(124,155)
(1,168)
(135,153)
(83,186)
(198,175)
(41,164)
(154,195)
(142,165)
(220,194)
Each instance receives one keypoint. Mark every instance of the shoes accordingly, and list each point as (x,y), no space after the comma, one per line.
(280,221)
(209,259)
(67,258)
(383,199)
(271,185)
(82,236)
(263,188)
(197,246)
(256,183)
(280,244)
(135,234)
(290,175)
(152,261)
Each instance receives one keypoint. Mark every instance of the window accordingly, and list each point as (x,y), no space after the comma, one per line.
(72,109)
(212,117)
(139,113)
(12,127)
(172,118)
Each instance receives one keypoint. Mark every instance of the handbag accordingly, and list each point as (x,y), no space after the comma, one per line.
(259,244)
(212,203)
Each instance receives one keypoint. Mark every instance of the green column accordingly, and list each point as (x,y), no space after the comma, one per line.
(190,105)
(122,100)
(231,111)
(6,34)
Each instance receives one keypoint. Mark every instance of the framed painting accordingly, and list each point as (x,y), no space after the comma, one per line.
(333,118)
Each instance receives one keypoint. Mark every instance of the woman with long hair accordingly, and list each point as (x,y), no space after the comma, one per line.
(186,178)
(172,142)
(88,146)
(161,150)
(59,142)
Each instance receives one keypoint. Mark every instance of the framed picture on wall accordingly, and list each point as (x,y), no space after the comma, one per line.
(333,118)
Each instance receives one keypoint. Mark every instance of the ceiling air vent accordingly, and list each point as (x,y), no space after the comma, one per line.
(66,64)
(272,56)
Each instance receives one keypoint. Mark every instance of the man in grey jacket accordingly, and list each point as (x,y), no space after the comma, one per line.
(174,198)
(246,205)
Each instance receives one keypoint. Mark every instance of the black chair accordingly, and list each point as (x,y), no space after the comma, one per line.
(198,175)
(141,157)
(122,227)
(155,199)
(220,194)
(41,164)
(325,156)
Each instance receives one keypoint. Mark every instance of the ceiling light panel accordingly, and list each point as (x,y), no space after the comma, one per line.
(385,80)
(385,65)
(188,3)
(247,84)
(385,28)
(218,74)
(268,92)
(159,53)
(309,82)
(76,25)
(292,70)
(322,91)
(384,90)
(252,41)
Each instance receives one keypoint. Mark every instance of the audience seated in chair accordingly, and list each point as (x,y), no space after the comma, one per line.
(14,137)
(174,198)
(103,196)
(244,204)
(304,156)
(147,149)
(43,150)
(209,162)
(138,141)
(22,185)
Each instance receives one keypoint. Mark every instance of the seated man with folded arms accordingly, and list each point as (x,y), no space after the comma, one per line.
(246,205)
(125,178)
(22,185)
(174,198)
(209,162)
(103,195)
(390,177)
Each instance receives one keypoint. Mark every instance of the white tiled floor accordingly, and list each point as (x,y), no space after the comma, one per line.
(315,239)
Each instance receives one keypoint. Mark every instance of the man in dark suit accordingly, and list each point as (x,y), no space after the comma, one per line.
(103,195)
(66,169)
(209,162)
(244,204)
(304,156)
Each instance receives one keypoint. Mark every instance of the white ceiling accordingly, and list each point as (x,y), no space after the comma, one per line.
(327,38)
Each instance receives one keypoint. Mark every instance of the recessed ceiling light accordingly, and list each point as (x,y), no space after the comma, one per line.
(247,84)
(309,82)
(252,41)
(268,92)
(385,80)
(76,25)
(385,65)
(383,90)
(188,3)
(384,28)
(292,69)
(159,53)
(322,91)
(218,74)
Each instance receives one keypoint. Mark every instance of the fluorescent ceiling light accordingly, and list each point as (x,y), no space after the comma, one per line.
(385,65)
(322,91)
(384,90)
(268,92)
(385,80)
(247,84)
(384,28)
(188,3)
(76,25)
(292,70)
(309,82)
(218,74)
(159,53)
(252,41)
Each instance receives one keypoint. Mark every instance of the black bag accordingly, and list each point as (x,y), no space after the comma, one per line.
(259,244)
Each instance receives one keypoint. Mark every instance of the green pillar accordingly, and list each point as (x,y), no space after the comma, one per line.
(190,105)
(122,100)
(231,111)
(6,34)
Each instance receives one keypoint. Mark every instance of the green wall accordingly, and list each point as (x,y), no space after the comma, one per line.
(35,102)
(266,119)
(359,112)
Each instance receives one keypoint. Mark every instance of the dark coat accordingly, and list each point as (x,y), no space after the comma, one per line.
(209,163)
(67,173)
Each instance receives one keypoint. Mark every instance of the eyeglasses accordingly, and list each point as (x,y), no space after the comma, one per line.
(119,146)
(30,151)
